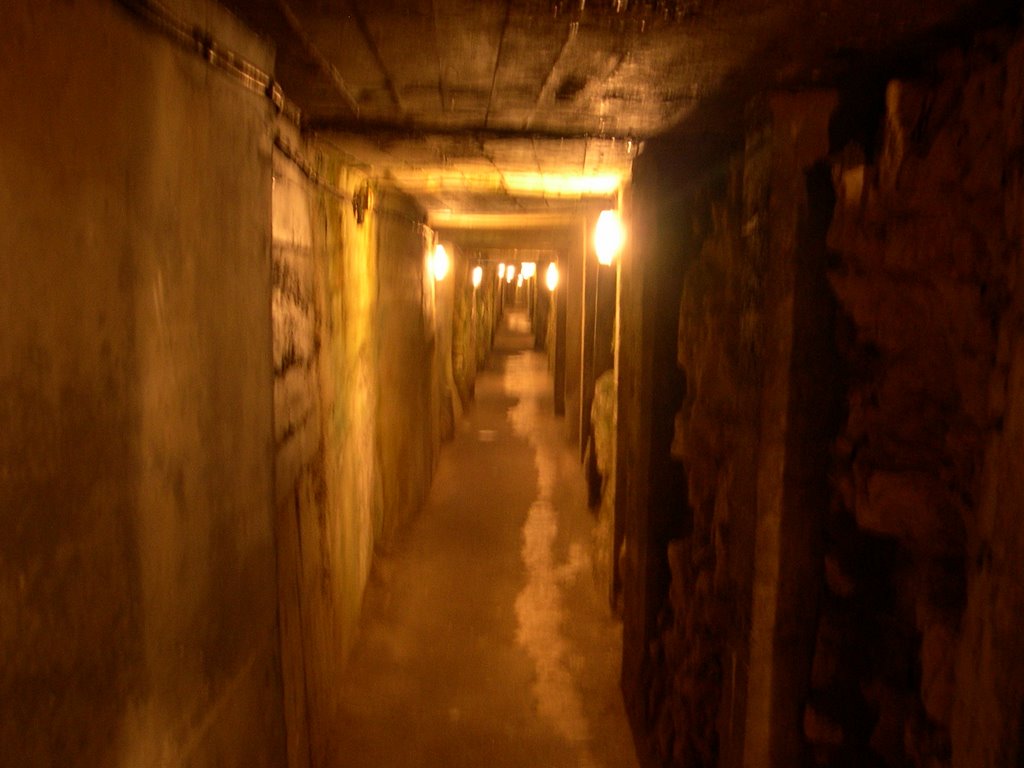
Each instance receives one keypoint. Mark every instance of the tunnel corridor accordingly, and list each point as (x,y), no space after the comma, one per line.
(333,432)
(484,636)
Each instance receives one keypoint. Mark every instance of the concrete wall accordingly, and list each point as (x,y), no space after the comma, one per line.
(464,327)
(137,589)
(220,393)
(414,326)
(329,509)
(358,413)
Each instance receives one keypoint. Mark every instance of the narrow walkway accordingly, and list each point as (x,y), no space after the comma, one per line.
(484,639)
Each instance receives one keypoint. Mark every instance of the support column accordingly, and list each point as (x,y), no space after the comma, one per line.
(572,277)
(650,493)
(559,352)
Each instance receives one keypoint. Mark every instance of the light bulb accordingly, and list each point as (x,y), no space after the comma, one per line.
(609,236)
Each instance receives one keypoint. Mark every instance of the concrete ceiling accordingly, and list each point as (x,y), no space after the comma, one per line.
(523,107)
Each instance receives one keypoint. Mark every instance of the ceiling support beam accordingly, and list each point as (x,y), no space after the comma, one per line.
(387,132)
(442,92)
(371,44)
(549,81)
(497,60)
(332,73)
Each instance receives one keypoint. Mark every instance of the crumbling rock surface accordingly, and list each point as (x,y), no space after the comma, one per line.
(928,243)
(707,612)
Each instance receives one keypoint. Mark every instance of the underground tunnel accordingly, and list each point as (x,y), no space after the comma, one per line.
(334,435)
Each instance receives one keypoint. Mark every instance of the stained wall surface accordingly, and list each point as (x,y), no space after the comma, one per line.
(358,411)
(137,585)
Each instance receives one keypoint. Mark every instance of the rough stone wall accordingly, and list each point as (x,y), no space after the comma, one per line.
(602,418)
(915,654)
(730,616)
(137,589)
(715,439)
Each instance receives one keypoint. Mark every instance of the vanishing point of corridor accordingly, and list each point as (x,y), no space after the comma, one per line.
(484,640)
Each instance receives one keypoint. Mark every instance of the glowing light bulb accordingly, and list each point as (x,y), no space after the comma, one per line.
(551,276)
(510,273)
(528,269)
(441,263)
(501,270)
(609,236)
(478,276)
(519,280)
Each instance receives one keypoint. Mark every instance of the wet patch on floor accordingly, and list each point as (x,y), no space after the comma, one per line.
(540,610)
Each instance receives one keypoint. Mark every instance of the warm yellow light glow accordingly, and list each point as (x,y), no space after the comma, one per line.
(609,236)
(568,185)
(519,280)
(441,263)
(501,270)
(528,269)
(510,273)
(551,277)
(478,276)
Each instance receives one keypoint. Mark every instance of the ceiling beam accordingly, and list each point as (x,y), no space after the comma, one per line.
(442,92)
(388,131)
(332,73)
(497,60)
(509,221)
(549,82)
(371,44)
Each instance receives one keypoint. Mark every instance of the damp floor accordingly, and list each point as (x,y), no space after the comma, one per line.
(485,640)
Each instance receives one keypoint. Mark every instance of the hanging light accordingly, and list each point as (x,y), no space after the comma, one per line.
(501,270)
(609,236)
(478,276)
(441,263)
(528,269)
(519,280)
(510,273)
(551,276)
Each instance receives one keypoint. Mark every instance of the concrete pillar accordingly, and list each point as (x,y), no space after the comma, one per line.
(650,494)
(587,329)
(572,290)
(559,355)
